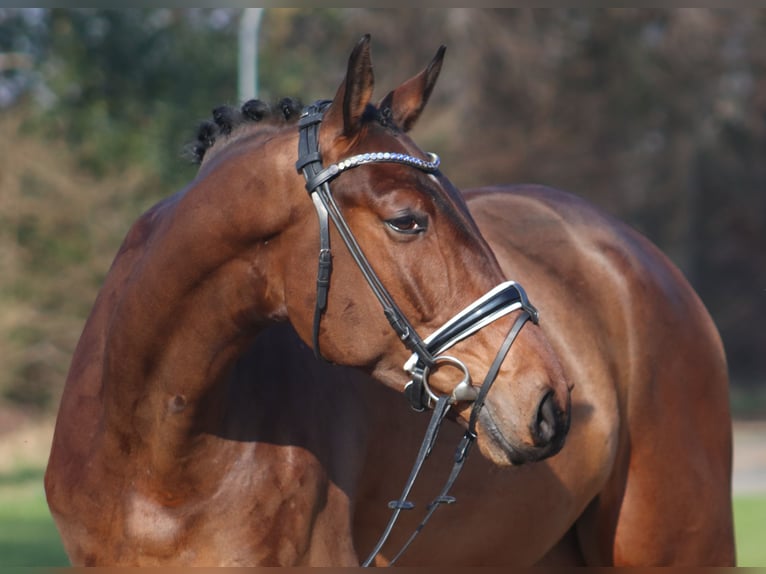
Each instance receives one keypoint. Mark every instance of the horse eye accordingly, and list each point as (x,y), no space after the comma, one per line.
(409,224)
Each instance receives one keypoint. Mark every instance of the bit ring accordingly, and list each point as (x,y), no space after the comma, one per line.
(463,391)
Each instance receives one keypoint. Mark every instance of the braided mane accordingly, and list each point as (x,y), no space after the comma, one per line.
(228,119)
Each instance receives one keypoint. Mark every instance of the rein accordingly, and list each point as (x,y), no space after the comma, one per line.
(427,354)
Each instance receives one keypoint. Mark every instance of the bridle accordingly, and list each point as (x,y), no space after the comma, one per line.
(427,354)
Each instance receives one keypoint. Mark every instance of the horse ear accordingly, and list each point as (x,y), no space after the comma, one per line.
(355,91)
(408,100)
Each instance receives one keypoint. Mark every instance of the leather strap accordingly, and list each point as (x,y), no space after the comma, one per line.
(439,412)
(461,453)
(323,272)
(500,301)
(310,163)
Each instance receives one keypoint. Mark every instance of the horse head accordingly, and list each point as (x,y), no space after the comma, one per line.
(410,246)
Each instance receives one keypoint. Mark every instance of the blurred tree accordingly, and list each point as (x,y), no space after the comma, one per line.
(22,34)
(129,83)
(656,115)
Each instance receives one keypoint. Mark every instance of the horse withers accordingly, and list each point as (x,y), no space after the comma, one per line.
(153,460)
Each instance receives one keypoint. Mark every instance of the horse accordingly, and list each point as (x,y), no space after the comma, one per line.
(159,458)
(644,477)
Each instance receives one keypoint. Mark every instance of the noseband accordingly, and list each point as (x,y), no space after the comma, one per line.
(427,354)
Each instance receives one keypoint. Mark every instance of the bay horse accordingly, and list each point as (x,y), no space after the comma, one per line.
(291,461)
(159,456)
(645,475)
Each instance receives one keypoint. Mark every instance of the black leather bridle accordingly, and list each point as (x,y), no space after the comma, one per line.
(428,353)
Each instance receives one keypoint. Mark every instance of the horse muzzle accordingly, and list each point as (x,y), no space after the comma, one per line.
(544,436)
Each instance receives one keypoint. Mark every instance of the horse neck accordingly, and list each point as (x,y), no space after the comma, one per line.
(193,284)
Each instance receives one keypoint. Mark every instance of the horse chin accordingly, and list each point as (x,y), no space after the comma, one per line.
(493,444)
(497,448)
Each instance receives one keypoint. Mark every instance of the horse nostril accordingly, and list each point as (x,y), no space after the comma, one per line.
(545,426)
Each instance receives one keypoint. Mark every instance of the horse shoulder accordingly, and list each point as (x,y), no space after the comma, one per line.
(625,279)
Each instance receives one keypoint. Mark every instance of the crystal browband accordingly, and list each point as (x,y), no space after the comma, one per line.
(330,172)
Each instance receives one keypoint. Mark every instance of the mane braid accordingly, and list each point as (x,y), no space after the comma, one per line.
(226,120)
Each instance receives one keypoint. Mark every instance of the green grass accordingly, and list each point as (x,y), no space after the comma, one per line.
(750,524)
(28,536)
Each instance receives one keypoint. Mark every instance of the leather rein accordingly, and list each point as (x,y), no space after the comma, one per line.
(428,353)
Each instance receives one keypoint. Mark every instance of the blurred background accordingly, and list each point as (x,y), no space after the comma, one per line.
(656,115)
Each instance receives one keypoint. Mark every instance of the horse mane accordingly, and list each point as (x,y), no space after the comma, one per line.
(227,120)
